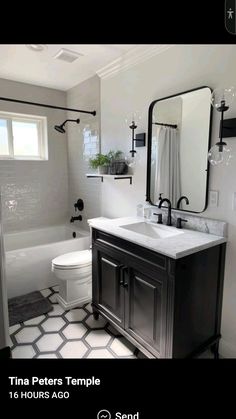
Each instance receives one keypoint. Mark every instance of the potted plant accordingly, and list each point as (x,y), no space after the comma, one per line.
(118,165)
(100,162)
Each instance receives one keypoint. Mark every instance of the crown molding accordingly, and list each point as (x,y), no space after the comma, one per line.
(131,58)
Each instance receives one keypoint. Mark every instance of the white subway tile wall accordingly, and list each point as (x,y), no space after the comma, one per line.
(35,193)
(83,143)
(91,142)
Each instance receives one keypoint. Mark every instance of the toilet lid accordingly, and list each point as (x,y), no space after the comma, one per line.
(73,259)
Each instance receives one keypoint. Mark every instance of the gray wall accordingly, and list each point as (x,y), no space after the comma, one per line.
(85,96)
(40,188)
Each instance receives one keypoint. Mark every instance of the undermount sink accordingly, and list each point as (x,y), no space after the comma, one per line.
(152,230)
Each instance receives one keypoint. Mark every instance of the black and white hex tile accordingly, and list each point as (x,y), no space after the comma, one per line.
(68,334)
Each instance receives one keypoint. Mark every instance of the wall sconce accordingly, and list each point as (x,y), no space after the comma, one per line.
(221,153)
(137,141)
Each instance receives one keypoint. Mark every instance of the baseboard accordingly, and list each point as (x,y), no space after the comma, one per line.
(76,303)
(226,349)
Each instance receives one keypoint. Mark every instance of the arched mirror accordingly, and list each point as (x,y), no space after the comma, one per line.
(178,143)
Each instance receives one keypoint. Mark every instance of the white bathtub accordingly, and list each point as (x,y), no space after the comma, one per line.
(29,255)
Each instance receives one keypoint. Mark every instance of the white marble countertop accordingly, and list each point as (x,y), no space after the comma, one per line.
(183,244)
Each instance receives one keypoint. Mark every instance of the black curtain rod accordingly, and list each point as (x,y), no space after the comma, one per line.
(165,125)
(7,99)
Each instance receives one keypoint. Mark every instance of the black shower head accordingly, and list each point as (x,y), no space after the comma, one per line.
(61,129)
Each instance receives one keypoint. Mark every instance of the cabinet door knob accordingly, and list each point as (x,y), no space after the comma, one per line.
(123,268)
(122,275)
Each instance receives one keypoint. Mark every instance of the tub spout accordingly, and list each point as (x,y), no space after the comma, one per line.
(79,218)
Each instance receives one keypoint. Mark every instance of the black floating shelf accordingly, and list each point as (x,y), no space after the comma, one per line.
(124,177)
(116,177)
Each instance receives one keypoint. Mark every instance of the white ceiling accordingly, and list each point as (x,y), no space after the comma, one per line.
(19,63)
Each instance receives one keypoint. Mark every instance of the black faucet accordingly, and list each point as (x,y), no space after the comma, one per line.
(79,218)
(169,223)
(180,199)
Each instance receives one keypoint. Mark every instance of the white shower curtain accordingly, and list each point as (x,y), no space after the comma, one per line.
(167,176)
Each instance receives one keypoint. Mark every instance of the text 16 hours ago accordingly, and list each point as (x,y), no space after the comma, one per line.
(39,395)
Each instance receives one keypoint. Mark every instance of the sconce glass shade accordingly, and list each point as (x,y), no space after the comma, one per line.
(134,116)
(132,120)
(227,95)
(131,161)
(216,156)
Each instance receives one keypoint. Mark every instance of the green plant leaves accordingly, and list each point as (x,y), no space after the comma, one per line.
(105,159)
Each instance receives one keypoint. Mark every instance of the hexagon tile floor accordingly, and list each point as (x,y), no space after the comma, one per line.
(68,334)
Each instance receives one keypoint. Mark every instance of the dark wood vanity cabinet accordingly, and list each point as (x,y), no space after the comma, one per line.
(167,308)
(144,310)
(108,290)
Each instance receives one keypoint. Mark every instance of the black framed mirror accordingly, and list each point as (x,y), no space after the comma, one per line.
(179,131)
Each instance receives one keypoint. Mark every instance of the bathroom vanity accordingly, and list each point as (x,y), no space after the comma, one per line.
(158,286)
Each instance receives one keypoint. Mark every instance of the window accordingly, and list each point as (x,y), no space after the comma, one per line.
(23,137)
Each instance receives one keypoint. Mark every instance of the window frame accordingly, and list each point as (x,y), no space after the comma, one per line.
(41,122)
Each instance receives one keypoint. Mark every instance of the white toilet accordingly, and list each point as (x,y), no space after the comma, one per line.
(74,273)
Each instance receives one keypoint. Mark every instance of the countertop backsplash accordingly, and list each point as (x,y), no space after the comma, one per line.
(194,221)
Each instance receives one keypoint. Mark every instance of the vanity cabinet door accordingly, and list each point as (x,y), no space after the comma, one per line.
(145,309)
(108,292)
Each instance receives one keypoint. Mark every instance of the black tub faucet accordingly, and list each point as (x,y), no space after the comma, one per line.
(169,223)
(78,218)
(181,199)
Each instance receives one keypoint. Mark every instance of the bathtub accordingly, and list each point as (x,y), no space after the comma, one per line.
(29,255)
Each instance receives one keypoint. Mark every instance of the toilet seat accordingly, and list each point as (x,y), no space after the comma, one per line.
(73,260)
